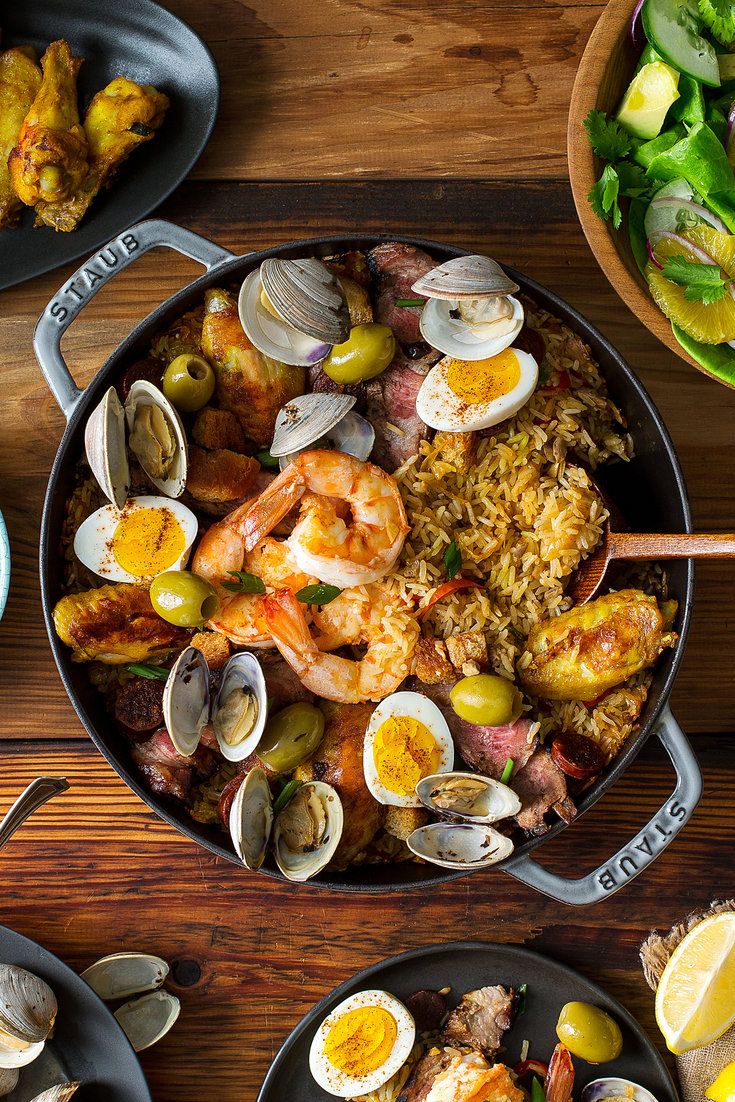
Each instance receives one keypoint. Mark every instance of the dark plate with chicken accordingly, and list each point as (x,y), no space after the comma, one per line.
(80,93)
(468,1022)
(316,561)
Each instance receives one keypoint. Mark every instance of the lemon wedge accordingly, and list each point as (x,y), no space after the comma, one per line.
(694,1001)
(723,1088)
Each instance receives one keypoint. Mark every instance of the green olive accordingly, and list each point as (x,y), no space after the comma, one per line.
(291,736)
(188,382)
(486,700)
(367,351)
(589,1033)
(183,598)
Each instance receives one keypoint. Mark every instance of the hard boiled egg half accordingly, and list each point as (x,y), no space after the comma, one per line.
(361,1044)
(466,395)
(144,538)
(406,740)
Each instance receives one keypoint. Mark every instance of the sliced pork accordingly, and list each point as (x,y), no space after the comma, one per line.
(396,268)
(391,408)
(541,786)
(165,771)
(419,1085)
(481,1020)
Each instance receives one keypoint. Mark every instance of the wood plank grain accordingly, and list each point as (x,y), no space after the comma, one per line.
(251,955)
(330,88)
(503,219)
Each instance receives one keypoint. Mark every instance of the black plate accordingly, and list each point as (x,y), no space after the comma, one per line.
(140,40)
(465,966)
(87,1045)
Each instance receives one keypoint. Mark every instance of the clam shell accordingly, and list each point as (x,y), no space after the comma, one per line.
(465,277)
(462,845)
(611,1086)
(8,1080)
(353,434)
(145,1021)
(301,862)
(104,443)
(272,336)
(143,393)
(242,671)
(13,1058)
(27,1005)
(58,1093)
(454,337)
(468,796)
(186,700)
(123,974)
(307,296)
(300,423)
(251,819)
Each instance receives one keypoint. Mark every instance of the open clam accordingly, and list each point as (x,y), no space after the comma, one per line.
(156,437)
(460,845)
(308,830)
(27,1008)
(145,1021)
(468,796)
(58,1093)
(238,713)
(251,819)
(293,310)
(470,312)
(8,1080)
(321,420)
(104,442)
(123,974)
(19,1054)
(613,1089)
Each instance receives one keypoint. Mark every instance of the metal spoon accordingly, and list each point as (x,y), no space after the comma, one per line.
(37,793)
(589,577)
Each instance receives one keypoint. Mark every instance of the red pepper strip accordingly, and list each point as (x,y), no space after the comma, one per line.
(564,382)
(444,590)
(525,1067)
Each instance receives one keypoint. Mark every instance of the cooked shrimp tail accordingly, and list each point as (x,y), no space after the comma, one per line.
(560,1076)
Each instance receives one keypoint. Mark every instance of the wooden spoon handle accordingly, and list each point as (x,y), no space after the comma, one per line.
(652,545)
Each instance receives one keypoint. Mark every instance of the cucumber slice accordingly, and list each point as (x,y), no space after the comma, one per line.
(718,359)
(665,217)
(637,233)
(672,28)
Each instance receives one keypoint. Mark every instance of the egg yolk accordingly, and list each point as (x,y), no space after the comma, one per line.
(475,381)
(361,1040)
(404,750)
(148,541)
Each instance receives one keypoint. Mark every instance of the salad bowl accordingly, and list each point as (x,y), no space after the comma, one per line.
(605,72)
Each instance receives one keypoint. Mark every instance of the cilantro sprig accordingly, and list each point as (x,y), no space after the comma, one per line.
(604,197)
(719,17)
(701,282)
(607,137)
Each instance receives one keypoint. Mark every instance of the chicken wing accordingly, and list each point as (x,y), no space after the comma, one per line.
(338,761)
(115,624)
(49,161)
(119,118)
(249,384)
(20,79)
(590,649)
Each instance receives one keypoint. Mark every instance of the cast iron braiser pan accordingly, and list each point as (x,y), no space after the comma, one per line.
(649,491)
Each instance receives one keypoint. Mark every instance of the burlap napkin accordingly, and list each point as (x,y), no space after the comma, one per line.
(699,1068)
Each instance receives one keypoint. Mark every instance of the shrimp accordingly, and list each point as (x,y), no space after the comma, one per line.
(352,522)
(221,549)
(560,1076)
(387,661)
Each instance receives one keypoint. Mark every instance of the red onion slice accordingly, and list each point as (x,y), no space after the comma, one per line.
(694,208)
(635,31)
(651,255)
(730,128)
(701,255)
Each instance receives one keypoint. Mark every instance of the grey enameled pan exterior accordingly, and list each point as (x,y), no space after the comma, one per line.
(650,491)
(465,966)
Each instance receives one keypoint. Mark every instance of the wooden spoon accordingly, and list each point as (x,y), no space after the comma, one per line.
(588,579)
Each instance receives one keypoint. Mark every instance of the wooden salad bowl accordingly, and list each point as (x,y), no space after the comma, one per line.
(604,73)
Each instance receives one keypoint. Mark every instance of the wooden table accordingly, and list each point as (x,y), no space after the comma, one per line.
(436,117)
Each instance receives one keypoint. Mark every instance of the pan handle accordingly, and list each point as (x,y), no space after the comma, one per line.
(643,850)
(91,277)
